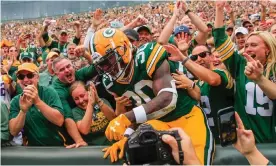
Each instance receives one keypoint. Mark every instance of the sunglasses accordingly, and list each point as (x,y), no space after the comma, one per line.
(22,76)
(202,55)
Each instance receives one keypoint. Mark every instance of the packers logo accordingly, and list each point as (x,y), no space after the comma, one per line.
(109,32)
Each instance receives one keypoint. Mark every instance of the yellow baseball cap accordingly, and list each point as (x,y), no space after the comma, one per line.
(31,67)
(51,54)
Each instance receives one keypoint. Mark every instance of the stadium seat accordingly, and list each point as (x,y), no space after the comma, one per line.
(92,155)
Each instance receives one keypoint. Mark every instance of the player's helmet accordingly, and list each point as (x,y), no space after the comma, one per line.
(111,52)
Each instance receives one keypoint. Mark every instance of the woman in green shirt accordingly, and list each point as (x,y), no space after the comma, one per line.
(92,114)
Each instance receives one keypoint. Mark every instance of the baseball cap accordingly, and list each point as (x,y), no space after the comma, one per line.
(241,30)
(210,23)
(63,32)
(6,43)
(245,22)
(181,28)
(51,54)
(132,34)
(144,27)
(229,27)
(31,67)
(28,55)
(116,24)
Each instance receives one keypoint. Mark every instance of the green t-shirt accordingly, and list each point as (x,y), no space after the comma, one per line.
(38,129)
(147,60)
(214,98)
(54,44)
(96,136)
(256,110)
(62,89)
(45,79)
(5,134)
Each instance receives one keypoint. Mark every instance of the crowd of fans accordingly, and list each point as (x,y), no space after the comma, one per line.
(221,54)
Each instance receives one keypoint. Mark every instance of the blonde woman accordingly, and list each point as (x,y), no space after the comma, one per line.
(92,114)
(254,73)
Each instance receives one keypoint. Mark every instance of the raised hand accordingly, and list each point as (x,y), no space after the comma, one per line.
(97,17)
(254,69)
(80,51)
(31,93)
(182,41)
(246,142)
(220,4)
(176,54)
(25,103)
(77,24)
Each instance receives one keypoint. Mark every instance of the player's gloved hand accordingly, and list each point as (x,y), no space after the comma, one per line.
(116,128)
(113,150)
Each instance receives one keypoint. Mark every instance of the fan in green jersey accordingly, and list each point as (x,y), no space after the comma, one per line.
(255,97)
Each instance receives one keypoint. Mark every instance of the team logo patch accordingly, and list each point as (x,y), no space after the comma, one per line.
(109,32)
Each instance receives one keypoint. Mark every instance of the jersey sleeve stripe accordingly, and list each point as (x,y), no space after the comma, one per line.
(152,55)
(223,45)
(154,61)
(230,51)
(226,49)
(49,41)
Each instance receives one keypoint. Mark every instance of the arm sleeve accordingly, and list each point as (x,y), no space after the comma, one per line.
(86,73)
(53,100)
(77,114)
(14,109)
(155,59)
(226,48)
(226,79)
(76,40)
(47,39)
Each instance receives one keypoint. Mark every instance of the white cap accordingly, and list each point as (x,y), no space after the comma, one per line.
(242,30)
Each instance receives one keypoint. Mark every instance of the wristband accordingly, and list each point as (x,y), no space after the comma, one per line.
(188,11)
(185,60)
(23,112)
(128,131)
(192,86)
(140,114)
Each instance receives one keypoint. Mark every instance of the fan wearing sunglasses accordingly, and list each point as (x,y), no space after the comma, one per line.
(38,108)
(215,84)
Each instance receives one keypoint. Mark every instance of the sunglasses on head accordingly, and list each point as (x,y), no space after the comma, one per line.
(22,76)
(202,55)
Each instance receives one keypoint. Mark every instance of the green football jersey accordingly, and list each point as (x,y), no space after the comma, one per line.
(214,98)
(147,59)
(256,110)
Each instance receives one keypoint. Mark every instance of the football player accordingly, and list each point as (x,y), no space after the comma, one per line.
(146,79)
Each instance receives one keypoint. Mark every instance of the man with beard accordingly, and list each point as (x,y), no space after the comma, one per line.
(67,75)
(77,61)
